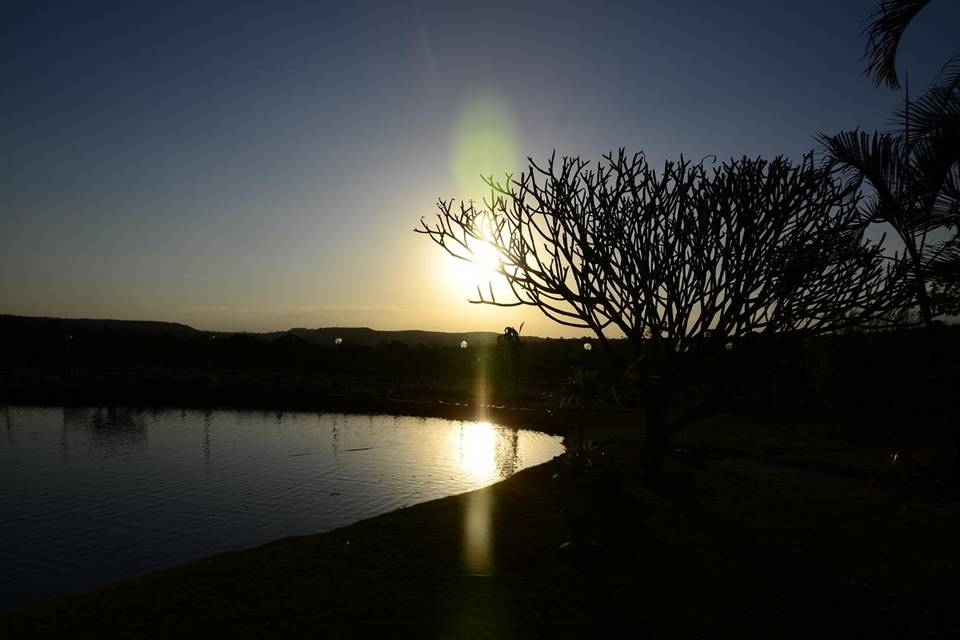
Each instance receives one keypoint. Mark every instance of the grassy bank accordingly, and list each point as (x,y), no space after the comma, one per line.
(735,545)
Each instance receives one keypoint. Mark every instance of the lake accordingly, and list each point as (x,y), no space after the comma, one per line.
(89,495)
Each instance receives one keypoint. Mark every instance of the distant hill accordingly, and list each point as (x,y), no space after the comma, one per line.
(363,336)
(80,326)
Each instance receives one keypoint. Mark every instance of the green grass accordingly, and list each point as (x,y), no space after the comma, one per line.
(730,547)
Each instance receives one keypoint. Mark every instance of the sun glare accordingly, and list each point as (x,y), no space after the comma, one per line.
(487,260)
(481,270)
(477,449)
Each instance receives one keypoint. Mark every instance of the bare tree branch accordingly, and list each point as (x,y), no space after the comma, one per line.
(679,261)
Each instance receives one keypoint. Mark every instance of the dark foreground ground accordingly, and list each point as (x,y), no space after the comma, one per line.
(752,543)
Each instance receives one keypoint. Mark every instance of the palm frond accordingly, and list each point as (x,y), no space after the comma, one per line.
(948,78)
(934,163)
(943,270)
(945,262)
(878,159)
(947,206)
(937,109)
(887,26)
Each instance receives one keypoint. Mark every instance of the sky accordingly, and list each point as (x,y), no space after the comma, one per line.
(261,166)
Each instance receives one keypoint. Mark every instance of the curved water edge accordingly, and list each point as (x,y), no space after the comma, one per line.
(93,494)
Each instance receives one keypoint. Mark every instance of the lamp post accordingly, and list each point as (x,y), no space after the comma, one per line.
(67,341)
(336,356)
(210,340)
(465,372)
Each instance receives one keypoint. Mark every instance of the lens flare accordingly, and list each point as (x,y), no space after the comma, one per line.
(484,144)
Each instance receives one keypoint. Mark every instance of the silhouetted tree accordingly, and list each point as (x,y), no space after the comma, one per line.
(680,261)
(912,173)
(509,341)
(914,188)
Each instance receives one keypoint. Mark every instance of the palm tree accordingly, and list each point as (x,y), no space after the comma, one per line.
(889,22)
(915,189)
(912,172)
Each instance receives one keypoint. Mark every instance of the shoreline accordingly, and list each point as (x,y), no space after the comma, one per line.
(512,417)
(722,551)
(109,609)
(257,392)
(410,474)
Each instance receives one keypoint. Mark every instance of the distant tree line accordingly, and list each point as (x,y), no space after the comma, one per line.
(859,381)
(58,345)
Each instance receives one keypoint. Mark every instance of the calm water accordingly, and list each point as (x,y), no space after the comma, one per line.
(91,495)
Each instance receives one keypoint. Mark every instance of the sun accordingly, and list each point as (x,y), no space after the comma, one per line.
(483,267)
(486,259)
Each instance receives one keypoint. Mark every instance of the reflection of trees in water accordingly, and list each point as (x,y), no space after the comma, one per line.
(335,439)
(9,423)
(207,421)
(508,452)
(105,427)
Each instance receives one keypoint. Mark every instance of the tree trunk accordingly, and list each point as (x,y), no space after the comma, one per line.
(920,280)
(657,440)
(926,313)
(923,302)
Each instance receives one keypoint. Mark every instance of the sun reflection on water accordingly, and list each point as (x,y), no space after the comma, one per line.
(478,449)
(487,453)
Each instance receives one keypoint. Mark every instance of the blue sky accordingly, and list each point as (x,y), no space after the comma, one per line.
(261,165)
